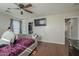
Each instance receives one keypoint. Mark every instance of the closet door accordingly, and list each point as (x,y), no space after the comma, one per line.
(74,29)
(74,33)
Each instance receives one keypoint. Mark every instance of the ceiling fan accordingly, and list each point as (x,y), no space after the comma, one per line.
(22,7)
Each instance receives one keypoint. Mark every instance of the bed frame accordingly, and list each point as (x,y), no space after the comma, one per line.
(28,50)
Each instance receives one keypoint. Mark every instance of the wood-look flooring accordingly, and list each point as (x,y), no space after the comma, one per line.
(49,49)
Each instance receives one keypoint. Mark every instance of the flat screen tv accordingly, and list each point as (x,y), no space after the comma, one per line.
(40,22)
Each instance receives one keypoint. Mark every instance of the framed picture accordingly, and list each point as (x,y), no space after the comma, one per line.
(40,22)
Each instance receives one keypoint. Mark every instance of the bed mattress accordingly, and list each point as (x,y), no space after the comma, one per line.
(15,49)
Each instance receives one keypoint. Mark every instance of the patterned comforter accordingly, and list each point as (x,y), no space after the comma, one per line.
(15,49)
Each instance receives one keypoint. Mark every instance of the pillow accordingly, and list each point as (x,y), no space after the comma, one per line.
(34,36)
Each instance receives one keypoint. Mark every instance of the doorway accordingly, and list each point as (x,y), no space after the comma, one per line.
(30,27)
(71,35)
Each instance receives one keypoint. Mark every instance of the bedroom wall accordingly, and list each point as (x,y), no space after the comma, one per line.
(54,32)
(4,23)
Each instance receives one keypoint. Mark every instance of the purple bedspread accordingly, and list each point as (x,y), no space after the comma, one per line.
(15,49)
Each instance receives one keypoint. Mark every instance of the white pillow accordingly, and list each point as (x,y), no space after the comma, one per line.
(34,36)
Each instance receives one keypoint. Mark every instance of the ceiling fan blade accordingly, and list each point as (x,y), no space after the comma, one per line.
(20,5)
(13,8)
(29,5)
(28,11)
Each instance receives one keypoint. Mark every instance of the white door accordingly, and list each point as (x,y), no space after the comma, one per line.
(74,29)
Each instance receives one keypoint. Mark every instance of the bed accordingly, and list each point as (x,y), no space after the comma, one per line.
(23,47)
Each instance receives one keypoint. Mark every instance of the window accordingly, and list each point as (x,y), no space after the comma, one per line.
(16,26)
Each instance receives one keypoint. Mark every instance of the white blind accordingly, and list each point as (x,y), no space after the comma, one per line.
(16,26)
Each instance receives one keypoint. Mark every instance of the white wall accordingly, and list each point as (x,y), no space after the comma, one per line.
(24,27)
(4,23)
(54,32)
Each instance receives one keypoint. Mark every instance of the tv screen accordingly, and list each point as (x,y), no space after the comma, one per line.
(40,22)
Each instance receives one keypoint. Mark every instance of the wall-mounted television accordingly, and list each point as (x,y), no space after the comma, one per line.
(40,22)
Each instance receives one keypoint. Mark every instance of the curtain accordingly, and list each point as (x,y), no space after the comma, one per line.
(11,24)
(16,26)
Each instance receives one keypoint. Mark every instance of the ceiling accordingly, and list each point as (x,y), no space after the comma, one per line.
(39,9)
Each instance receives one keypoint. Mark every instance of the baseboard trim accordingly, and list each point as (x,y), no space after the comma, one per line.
(50,43)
